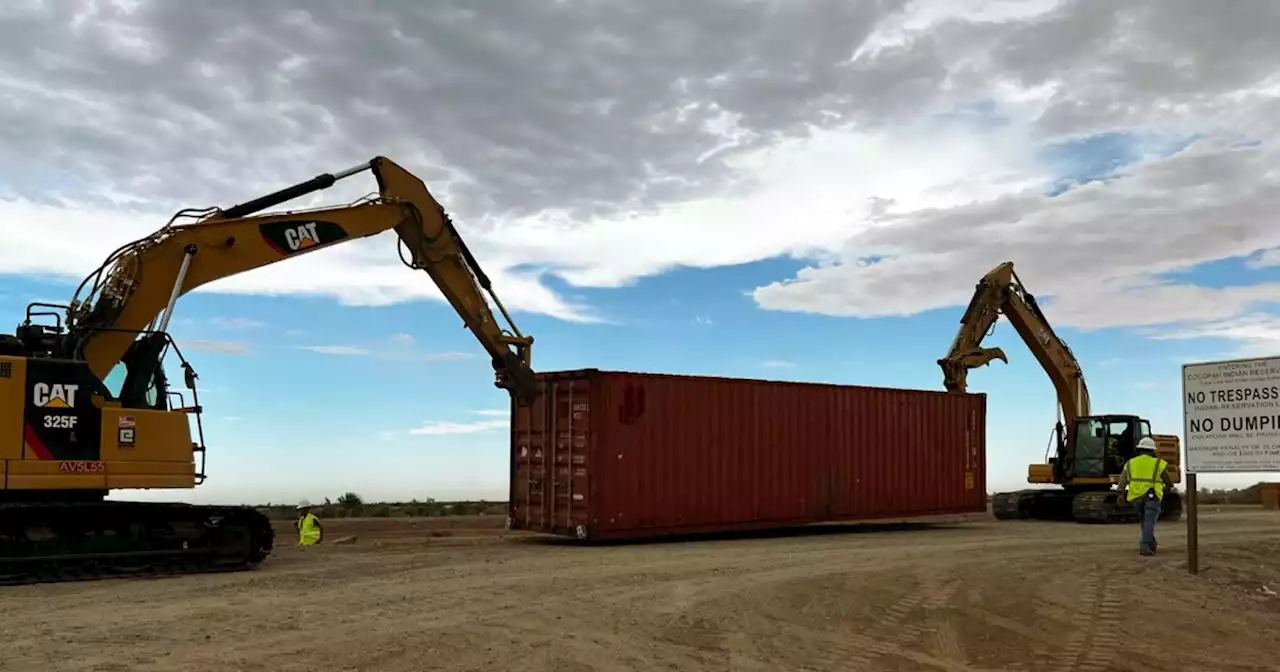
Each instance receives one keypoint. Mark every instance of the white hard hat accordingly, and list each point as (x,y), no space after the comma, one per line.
(304,504)
(1147,444)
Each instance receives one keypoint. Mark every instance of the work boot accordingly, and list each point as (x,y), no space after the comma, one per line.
(1146,550)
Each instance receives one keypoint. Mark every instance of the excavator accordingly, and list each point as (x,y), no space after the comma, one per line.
(86,406)
(1088,451)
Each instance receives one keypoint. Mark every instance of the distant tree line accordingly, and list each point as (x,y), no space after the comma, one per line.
(352,505)
(1249,495)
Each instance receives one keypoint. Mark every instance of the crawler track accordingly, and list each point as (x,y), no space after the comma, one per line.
(76,541)
(1096,506)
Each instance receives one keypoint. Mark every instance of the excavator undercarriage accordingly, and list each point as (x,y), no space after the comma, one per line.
(1087,506)
(68,541)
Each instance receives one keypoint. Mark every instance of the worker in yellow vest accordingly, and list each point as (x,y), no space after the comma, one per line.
(1142,483)
(310,532)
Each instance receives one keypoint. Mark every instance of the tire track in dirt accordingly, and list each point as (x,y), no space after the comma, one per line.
(945,641)
(1105,633)
(857,650)
(1091,646)
(1041,642)
(895,635)
(1081,618)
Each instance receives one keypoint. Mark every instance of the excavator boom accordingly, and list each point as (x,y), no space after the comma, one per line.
(1000,292)
(179,258)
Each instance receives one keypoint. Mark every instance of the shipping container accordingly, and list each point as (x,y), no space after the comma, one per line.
(619,455)
(1271,496)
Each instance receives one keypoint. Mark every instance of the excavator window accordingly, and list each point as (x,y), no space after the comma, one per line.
(115,380)
(145,385)
(1091,447)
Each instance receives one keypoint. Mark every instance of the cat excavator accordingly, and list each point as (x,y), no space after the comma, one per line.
(1088,451)
(86,406)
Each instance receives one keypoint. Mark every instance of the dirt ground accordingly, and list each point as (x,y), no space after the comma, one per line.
(462,594)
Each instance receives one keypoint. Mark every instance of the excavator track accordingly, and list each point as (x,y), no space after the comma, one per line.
(1032,504)
(1101,506)
(43,542)
(1096,506)
(1104,506)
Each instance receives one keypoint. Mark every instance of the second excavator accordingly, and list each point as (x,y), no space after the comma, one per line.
(86,406)
(1088,451)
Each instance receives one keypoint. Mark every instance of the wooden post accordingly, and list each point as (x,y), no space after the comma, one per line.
(1193,541)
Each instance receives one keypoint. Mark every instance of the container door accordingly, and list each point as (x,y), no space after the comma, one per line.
(550,453)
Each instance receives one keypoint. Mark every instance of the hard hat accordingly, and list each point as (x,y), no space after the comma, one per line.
(1147,445)
(304,504)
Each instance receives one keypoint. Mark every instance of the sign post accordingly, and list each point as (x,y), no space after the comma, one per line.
(1231,423)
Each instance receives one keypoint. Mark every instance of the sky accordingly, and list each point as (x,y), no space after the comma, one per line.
(798,190)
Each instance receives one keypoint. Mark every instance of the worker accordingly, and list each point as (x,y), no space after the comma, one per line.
(310,532)
(1142,483)
(1113,452)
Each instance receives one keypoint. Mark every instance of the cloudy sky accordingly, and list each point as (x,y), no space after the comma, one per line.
(804,190)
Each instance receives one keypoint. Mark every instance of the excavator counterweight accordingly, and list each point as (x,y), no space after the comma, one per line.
(1088,451)
(90,399)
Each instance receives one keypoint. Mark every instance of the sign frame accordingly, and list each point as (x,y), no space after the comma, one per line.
(1193,492)
(1188,463)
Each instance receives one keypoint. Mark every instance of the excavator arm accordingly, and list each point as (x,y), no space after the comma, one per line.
(141,282)
(1001,292)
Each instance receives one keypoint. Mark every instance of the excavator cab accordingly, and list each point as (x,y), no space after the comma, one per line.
(1104,443)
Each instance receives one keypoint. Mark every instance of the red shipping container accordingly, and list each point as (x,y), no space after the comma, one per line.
(637,455)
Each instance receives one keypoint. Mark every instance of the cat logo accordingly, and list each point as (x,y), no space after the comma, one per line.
(292,236)
(302,236)
(57,395)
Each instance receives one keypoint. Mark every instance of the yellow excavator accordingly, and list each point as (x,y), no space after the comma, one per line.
(1088,451)
(86,407)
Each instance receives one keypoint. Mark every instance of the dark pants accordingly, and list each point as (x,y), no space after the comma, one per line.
(1148,512)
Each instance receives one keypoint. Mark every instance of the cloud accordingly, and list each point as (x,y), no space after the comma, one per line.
(441,356)
(903,148)
(220,347)
(236,323)
(776,364)
(583,114)
(350,350)
(1153,75)
(433,428)
(404,349)
(494,412)
(403,340)
(1254,335)
(1098,250)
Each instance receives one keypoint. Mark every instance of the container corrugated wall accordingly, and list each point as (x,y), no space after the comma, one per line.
(636,455)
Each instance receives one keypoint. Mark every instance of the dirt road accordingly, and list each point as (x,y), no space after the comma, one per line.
(450,595)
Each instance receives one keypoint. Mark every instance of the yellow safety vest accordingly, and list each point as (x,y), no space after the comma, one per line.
(1144,474)
(308,533)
